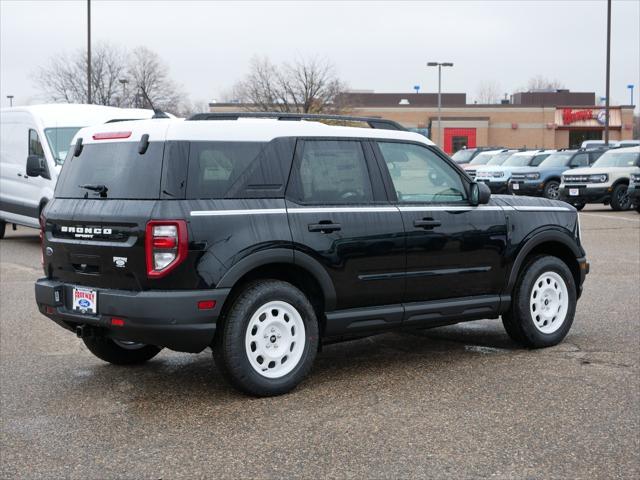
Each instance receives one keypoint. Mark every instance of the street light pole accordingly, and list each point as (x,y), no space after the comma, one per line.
(10,97)
(124,82)
(440,65)
(606,124)
(630,87)
(88,51)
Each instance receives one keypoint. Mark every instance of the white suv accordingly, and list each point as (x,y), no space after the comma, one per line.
(606,181)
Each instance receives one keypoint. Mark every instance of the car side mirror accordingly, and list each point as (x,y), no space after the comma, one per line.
(480,194)
(36,166)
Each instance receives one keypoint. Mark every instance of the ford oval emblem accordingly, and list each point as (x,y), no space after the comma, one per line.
(49,251)
(84,303)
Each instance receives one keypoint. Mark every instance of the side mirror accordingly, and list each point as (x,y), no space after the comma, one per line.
(36,166)
(480,194)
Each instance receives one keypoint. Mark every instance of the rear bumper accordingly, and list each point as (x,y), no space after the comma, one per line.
(164,318)
(586,194)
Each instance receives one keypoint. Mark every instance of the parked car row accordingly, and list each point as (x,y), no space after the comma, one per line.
(577,176)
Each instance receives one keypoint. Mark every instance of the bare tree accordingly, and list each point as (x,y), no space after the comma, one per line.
(489,92)
(149,78)
(64,78)
(540,82)
(146,75)
(305,86)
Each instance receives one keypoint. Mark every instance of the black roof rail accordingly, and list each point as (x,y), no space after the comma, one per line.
(373,122)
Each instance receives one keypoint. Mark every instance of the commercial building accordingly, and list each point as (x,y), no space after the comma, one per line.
(536,119)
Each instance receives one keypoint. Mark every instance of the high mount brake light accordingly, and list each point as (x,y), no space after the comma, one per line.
(111,135)
(166,246)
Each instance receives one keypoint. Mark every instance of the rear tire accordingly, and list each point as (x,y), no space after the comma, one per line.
(543,303)
(552,190)
(268,339)
(118,352)
(620,198)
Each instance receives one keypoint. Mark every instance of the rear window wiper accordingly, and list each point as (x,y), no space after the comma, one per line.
(100,189)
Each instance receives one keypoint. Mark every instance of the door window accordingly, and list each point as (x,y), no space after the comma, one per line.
(420,175)
(35,147)
(331,171)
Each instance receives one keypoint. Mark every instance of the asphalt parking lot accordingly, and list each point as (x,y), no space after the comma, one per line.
(460,401)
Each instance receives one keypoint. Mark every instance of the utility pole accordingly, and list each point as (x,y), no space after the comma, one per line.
(630,87)
(10,97)
(606,112)
(89,51)
(440,65)
(124,82)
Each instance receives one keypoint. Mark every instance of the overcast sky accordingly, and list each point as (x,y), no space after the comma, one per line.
(382,46)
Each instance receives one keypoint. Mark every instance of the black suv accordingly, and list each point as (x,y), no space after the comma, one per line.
(263,238)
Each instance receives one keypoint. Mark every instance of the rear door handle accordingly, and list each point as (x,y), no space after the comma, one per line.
(427,223)
(324,227)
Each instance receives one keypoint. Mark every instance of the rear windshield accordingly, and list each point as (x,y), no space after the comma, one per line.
(118,167)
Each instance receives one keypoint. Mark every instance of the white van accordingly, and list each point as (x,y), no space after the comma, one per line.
(39,136)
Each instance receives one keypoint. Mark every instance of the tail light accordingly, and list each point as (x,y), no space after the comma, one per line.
(165,245)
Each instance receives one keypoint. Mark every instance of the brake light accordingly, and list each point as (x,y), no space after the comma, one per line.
(166,246)
(111,135)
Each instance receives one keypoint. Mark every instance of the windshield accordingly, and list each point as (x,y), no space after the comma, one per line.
(482,159)
(462,156)
(500,158)
(557,160)
(59,140)
(617,159)
(518,160)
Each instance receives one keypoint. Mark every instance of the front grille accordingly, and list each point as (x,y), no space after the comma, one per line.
(472,173)
(577,178)
(517,176)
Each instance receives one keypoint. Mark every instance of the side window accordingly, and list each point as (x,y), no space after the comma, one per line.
(331,171)
(580,160)
(593,156)
(420,175)
(537,160)
(35,147)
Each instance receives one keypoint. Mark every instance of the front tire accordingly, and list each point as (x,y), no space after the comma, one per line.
(620,198)
(268,339)
(552,190)
(579,206)
(543,304)
(119,352)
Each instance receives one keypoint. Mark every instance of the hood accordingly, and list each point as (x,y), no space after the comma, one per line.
(530,203)
(598,171)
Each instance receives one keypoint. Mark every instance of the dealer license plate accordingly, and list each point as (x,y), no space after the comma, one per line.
(515,186)
(85,300)
(574,192)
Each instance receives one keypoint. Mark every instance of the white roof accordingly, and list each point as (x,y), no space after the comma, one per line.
(243,129)
(626,150)
(78,115)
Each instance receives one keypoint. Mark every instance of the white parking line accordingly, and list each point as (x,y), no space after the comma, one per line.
(611,217)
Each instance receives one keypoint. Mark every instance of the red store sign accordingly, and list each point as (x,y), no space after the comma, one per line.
(569,116)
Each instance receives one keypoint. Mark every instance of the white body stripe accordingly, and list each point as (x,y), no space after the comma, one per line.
(253,211)
(438,208)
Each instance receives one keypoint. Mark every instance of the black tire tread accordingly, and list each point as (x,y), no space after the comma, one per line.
(105,349)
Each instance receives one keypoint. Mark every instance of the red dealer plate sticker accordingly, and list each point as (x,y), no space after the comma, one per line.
(85,300)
